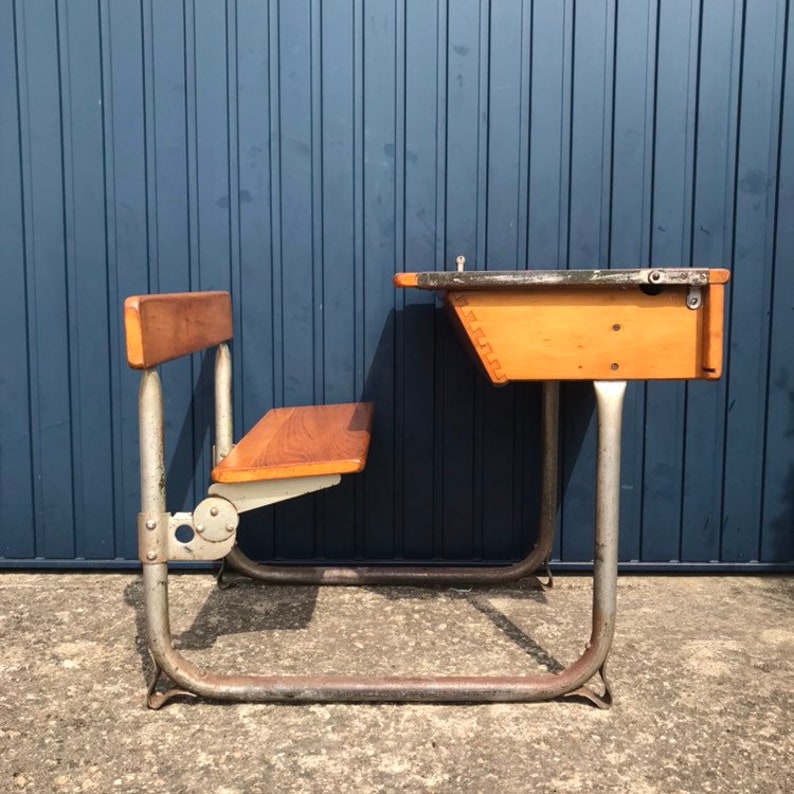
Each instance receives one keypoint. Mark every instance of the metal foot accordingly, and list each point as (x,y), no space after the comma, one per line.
(602,700)
(227,576)
(549,583)
(156,699)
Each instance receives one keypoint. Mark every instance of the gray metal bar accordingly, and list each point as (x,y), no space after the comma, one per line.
(609,404)
(224,432)
(521,279)
(150,439)
(189,679)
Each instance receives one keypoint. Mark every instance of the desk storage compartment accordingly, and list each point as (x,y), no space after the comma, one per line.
(614,332)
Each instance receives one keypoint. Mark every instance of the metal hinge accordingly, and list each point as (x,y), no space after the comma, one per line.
(694,297)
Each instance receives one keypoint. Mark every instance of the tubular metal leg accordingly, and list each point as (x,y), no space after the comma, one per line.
(189,678)
(237,561)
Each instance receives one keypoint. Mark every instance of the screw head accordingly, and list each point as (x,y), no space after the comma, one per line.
(616,327)
(151,555)
(614,366)
(151,524)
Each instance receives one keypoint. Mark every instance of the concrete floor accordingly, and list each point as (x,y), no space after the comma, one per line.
(702,669)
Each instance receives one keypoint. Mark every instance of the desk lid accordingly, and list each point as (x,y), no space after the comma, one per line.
(520,279)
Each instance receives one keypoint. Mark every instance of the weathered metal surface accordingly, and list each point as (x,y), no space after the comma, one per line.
(187,678)
(520,279)
(252,495)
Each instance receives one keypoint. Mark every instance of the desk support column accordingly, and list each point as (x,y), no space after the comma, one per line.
(609,405)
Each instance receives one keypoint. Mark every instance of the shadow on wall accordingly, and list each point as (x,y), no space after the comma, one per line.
(453,469)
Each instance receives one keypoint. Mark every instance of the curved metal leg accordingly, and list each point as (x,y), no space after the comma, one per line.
(237,561)
(156,699)
(261,688)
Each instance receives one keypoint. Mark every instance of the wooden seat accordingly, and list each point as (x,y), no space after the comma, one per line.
(300,442)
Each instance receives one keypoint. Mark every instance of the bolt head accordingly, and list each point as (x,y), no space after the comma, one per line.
(151,555)
(151,524)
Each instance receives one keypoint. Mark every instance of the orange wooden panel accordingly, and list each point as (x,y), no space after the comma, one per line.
(300,442)
(580,333)
(713,331)
(719,275)
(404,279)
(159,328)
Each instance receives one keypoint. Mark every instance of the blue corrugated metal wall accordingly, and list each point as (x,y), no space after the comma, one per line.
(298,153)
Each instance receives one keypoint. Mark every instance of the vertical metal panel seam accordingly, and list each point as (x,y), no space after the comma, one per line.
(400,143)
(481,249)
(67,206)
(149,145)
(30,293)
(442,158)
(608,126)
(359,380)
(690,259)
(651,38)
(651,206)
(24,200)
(235,224)
(235,214)
(317,242)
(525,126)
(232,138)
(773,256)
(191,145)
(566,158)
(520,423)
(316,177)
(274,90)
(192,187)
(611,173)
(729,297)
(112,275)
(729,216)
(568,123)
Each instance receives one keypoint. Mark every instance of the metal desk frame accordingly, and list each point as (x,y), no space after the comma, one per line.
(187,678)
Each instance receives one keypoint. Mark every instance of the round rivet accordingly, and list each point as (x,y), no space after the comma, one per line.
(151,555)
(213,511)
(199,528)
(613,366)
(230,527)
(151,524)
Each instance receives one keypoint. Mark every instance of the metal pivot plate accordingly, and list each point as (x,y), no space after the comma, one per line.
(215,519)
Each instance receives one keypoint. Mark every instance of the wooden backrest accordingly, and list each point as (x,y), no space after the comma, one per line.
(160,328)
